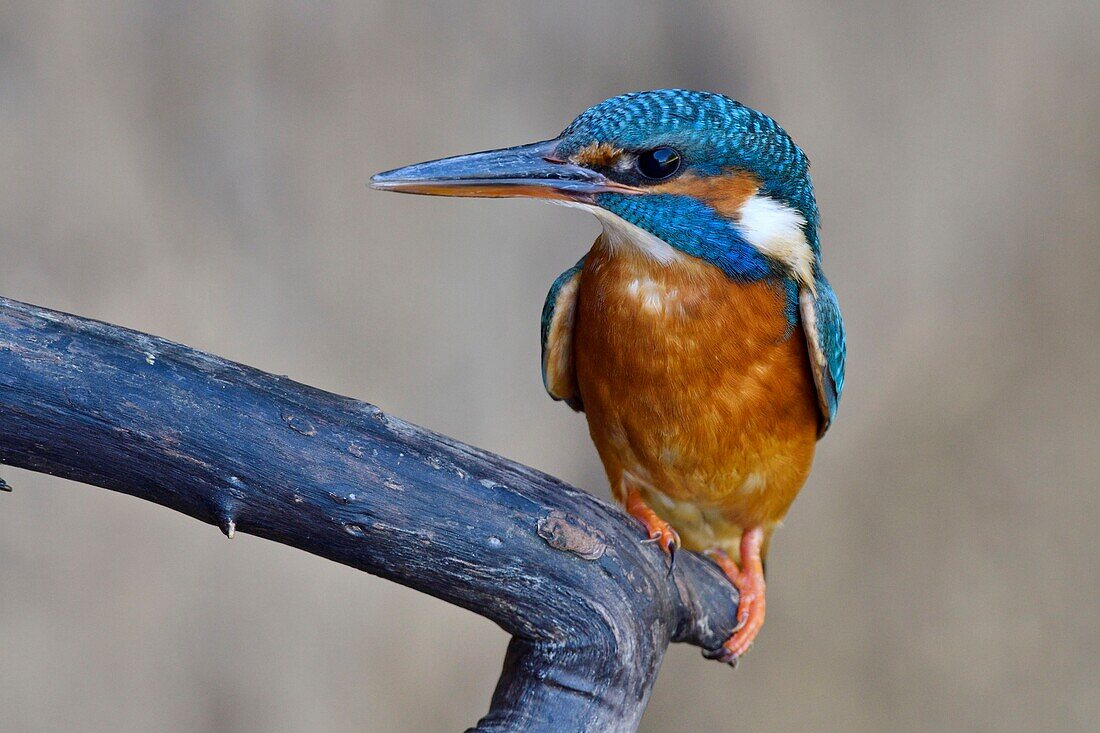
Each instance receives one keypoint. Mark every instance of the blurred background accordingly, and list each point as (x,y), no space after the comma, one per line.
(197,170)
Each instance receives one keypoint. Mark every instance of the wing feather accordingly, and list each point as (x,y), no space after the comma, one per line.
(558,316)
(824,328)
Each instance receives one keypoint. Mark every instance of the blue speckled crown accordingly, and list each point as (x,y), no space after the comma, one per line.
(711,131)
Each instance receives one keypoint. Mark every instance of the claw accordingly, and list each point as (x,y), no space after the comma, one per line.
(749,581)
(660,532)
(723,655)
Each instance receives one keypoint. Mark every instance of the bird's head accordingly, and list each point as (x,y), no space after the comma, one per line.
(670,171)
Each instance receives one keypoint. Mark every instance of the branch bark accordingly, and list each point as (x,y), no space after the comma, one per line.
(590,608)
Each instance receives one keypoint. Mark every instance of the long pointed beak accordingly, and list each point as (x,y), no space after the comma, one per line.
(527,170)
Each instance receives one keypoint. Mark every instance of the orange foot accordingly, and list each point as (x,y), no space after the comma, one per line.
(660,531)
(749,581)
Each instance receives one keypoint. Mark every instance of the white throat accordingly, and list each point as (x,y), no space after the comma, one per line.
(620,233)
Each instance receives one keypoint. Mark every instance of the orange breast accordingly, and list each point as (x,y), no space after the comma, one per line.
(696,391)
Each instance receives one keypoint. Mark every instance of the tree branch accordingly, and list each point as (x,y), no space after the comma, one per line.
(591,608)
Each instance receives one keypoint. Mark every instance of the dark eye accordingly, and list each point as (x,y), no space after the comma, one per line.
(658,163)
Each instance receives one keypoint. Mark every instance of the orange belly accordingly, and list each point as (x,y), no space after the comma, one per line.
(697,392)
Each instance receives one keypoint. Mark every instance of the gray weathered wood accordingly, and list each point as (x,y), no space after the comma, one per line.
(590,607)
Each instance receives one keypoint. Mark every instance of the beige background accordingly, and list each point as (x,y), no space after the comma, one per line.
(197,170)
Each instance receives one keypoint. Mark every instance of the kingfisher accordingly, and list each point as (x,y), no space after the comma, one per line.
(698,335)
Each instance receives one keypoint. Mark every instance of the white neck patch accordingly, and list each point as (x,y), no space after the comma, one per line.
(775,230)
(619,233)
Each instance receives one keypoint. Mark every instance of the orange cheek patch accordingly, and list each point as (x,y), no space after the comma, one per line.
(597,155)
(725,193)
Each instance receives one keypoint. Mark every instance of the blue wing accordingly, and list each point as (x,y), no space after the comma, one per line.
(824,329)
(558,315)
